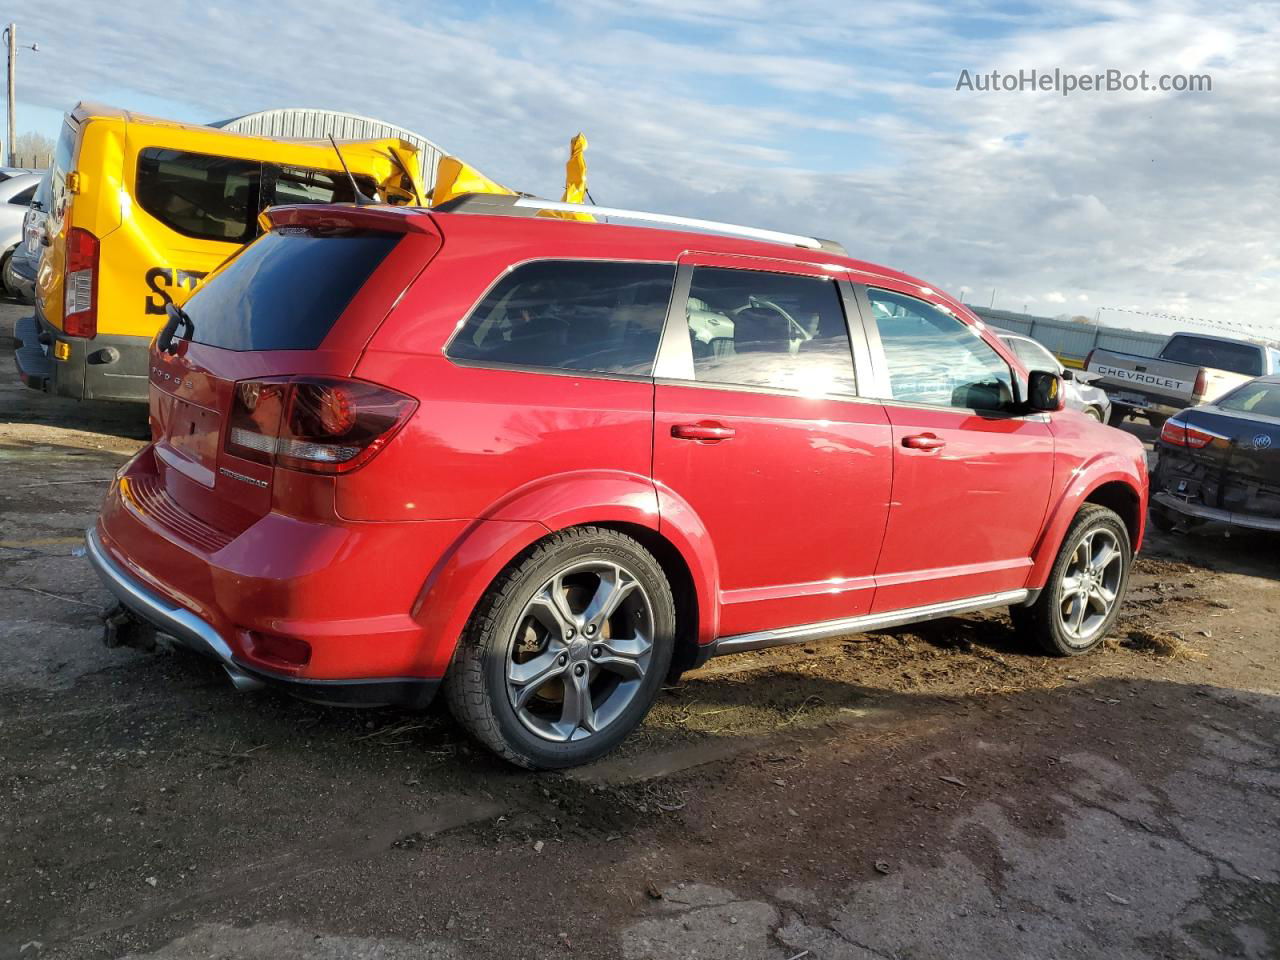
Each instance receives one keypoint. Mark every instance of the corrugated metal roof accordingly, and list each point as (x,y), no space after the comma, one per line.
(305,124)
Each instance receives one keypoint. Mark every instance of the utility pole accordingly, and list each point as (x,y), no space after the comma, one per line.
(993,298)
(11,36)
(12,33)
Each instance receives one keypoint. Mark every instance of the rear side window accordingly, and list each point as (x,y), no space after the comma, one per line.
(200,195)
(24,198)
(286,290)
(937,359)
(771,330)
(1215,354)
(592,316)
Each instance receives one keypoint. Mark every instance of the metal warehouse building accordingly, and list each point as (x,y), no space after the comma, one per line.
(307,124)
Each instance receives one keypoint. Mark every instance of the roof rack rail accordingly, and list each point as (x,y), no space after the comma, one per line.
(494,203)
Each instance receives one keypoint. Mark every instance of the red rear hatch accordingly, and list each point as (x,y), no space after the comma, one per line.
(253,409)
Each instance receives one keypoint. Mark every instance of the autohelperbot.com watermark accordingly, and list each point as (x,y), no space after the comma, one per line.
(1066,82)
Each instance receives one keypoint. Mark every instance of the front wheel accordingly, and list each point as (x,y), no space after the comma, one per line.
(566,653)
(6,275)
(1082,597)
(1093,413)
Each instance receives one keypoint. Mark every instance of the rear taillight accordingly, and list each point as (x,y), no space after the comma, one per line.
(1179,434)
(1201,385)
(80,285)
(315,424)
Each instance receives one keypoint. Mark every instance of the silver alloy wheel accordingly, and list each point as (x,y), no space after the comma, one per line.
(580,651)
(1090,586)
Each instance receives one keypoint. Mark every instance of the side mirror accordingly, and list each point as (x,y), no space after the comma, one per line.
(1044,391)
(1068,373)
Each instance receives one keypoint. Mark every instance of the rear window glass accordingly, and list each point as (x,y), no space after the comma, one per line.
(200,195)
(1215,354)
(301,185)
(1257,397)
(571,315)
(23,198)
(286,290)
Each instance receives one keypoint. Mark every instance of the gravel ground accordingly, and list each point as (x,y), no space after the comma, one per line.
(934,792)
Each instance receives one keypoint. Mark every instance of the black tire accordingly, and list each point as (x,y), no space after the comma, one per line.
(1117,415)
(1156,420)
(4,267)
(476,687)
(1042,622)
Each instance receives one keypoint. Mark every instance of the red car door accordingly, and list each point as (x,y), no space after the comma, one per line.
(971,473)
(758,429)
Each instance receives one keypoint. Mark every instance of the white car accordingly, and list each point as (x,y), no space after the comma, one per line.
(1080,392)
(16,193)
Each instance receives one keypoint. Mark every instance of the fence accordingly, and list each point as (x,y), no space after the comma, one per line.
(1073,341)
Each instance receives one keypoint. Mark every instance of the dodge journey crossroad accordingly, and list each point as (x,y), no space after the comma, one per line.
(543,465)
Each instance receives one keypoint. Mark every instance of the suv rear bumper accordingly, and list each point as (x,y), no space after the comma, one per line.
(327,584)
(197,635)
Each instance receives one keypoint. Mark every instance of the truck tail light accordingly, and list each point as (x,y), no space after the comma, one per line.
(80,285)
(1201,385)
(314,424)
(1177,433)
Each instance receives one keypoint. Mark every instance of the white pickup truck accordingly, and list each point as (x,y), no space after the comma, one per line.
(1191,368)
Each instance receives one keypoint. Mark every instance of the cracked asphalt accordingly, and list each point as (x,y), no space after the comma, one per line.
(934,792)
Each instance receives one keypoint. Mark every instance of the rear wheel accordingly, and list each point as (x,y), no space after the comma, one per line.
(1082,597)
(1117,415)
(1093,413)
(566,653)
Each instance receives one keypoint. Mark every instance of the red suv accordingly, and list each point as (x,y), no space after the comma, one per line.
(549,464)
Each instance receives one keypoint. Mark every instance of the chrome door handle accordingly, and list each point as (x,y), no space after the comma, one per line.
(923,441)
(707,431)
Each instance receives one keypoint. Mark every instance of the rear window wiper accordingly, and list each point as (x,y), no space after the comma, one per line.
(177,318)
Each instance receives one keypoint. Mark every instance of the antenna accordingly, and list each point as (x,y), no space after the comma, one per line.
(360,198)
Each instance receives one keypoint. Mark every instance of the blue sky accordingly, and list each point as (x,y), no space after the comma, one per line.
(837,119)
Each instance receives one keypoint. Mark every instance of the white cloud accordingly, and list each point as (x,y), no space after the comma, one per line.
(838,120)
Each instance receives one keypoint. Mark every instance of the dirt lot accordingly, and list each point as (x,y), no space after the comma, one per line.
(938,792)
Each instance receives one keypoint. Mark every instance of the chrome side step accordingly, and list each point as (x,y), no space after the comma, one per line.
(870,621)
